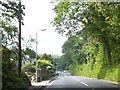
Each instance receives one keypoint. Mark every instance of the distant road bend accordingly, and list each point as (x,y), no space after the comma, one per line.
(67,82)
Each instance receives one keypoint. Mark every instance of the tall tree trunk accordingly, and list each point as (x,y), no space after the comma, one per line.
(20,59)
(106,46)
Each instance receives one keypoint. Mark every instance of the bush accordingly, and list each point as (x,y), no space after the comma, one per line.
(10,77)
(29,68)
(46,68)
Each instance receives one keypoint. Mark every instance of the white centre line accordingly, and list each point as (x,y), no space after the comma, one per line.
(77,80)
(84,83)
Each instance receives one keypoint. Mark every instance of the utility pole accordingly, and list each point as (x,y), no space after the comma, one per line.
(20,59)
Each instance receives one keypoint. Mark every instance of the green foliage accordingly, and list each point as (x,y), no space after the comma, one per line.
(9,14)
(30,68)
(44,64)
(10,78)
(46,68)
(97,72)
(46,57)
(30,52)
(8,24)
(28,43)
(93,32)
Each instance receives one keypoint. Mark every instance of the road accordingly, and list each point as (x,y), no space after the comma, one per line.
(67,82)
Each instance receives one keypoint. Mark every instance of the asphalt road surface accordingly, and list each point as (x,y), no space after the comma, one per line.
(67,82)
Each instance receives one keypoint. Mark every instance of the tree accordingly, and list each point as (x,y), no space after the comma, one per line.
(46,68)
(93,32)
(94,22)
(9,16)
(46,57)
(31,53)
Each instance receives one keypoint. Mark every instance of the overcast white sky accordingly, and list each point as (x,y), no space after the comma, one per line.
(39,14)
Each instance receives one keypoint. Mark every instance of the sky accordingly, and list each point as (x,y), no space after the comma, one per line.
(38,16)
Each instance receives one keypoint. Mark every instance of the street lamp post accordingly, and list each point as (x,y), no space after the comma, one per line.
(37,76)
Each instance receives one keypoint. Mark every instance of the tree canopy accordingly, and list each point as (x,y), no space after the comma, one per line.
(93,29)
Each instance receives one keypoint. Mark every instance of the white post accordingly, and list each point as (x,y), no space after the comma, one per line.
(36,59)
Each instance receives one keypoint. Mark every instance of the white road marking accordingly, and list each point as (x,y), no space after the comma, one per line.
(75,79)
(79,81)
(84,83)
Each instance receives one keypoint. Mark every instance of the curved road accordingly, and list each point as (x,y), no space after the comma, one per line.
(67,82)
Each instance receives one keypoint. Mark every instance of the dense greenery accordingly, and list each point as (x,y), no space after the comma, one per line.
(9,13)
(10,77)
(46,57)
(93,29)
(47,69)
(44,65)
